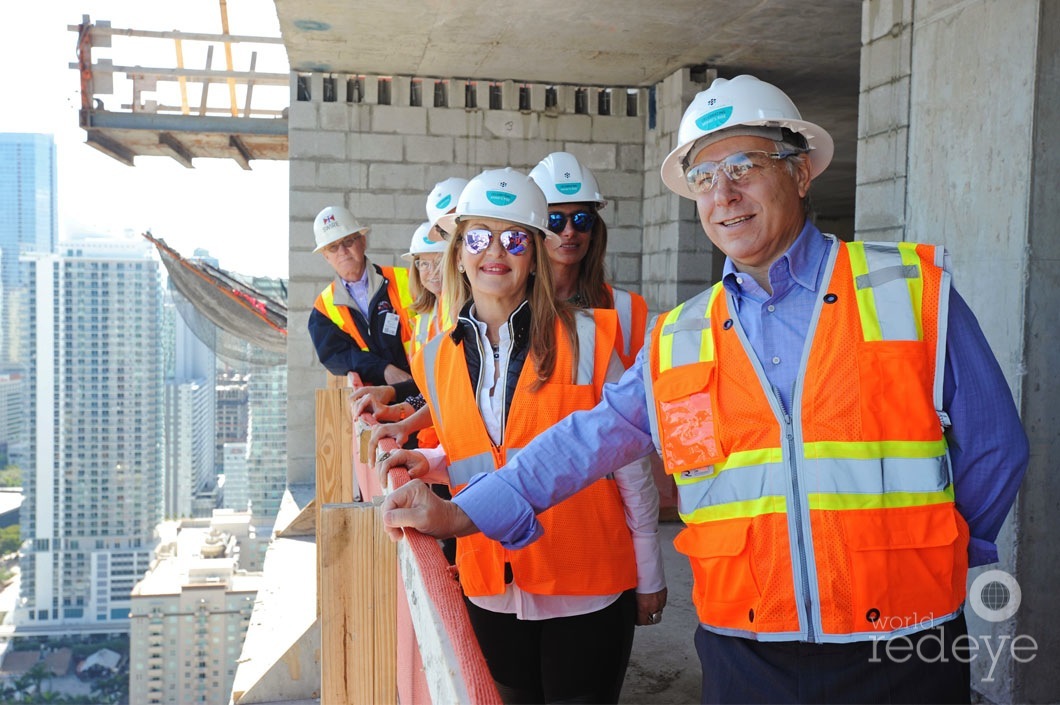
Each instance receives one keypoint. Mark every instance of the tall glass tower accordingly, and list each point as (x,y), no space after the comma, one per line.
(27,224)
(94,496)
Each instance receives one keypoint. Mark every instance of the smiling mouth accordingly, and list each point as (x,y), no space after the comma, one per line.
(735,221)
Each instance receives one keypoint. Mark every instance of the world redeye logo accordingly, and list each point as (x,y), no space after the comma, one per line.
(570,188)
(445,201)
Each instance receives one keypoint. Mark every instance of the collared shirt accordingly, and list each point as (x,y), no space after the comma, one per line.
(358,291)
(988,448)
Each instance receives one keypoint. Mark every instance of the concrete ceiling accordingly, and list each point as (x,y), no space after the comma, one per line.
(810,49)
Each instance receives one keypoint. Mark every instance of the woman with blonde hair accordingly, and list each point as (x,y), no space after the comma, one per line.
(555,620)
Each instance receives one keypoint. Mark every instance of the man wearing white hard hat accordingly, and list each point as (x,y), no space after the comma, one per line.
(843,440)
(360,322)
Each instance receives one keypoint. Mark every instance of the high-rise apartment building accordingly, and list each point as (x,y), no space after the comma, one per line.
(28,205)
(94,493)
(231,414)
(189,420)
(267,441)
(191,611)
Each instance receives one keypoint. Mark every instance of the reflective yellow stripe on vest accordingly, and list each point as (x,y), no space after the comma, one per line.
(888,277)
(344,323)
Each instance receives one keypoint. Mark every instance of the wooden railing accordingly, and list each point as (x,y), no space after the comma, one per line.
(393,623)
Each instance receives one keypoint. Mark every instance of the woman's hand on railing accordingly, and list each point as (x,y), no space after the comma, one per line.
(411,460)
(415,506)
(370,400)
(397,431)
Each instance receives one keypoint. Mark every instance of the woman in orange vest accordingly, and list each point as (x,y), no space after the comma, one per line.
(577,255)
(555,621)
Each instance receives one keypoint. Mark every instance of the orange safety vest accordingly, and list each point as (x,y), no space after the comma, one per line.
(397,290)
(586,548)
(632,312)
(424,327)
(835,522)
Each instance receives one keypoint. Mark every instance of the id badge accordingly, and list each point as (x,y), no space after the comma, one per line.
(390,324)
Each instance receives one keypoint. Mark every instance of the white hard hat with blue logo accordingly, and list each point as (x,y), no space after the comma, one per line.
(564,179)
(505,194)
(760,108)
(422,244)
(442,197)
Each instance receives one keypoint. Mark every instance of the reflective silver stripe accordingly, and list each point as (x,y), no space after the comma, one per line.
(585,326)
(430,361)
(819,476)
(688,330)
(624,309)
(887,277)
(940,342)
(461,471)
(733,485)
(649,398)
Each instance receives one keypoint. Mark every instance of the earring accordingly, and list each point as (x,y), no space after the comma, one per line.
(460,268)
(533,273)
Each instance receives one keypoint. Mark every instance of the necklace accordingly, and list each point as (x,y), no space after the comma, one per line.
(496,351)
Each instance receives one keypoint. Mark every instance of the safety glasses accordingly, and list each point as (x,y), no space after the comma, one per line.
(582,221)
(477,240)
(702,177)
(347,242)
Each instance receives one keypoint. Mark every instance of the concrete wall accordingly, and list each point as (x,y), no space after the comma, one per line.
(954,148)
(381,160)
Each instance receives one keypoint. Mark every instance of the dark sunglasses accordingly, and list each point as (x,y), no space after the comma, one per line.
(477,240)
(582,221)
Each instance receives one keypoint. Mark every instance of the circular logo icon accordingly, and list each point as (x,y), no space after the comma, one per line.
(995,595)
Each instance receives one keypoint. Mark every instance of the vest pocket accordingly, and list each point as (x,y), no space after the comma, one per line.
(724,589)
(908,565)
(686,405)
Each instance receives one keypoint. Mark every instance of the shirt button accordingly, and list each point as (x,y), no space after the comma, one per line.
(771,308)
(776,360)
(739,280)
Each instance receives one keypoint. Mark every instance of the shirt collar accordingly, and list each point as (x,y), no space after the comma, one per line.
(804,260)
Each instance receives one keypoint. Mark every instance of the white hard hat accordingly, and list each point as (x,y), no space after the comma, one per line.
(563,179)
(442,198)
(506,194)
(421,244)
(743,101)
(334,223)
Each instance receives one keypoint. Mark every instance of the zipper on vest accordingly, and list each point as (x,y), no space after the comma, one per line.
(800,533)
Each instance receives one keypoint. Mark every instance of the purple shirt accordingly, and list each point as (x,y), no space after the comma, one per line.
(988,448)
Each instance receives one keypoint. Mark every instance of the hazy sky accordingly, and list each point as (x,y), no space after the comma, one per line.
(239,216)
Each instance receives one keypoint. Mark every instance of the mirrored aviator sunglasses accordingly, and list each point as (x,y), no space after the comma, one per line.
(477,241)
(581,221)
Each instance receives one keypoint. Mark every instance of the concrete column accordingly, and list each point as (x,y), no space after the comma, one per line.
(958,104)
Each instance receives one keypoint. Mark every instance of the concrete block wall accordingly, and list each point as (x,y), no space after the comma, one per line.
(958,102)
(380,161)
(679,260)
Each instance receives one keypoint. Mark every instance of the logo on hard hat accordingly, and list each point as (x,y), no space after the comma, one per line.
(444,203)
(427,240)
(714,119)
(329,218)
(569,189)
(500,198)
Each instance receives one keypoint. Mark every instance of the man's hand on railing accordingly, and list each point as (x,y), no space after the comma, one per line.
(397,431)
(415,506)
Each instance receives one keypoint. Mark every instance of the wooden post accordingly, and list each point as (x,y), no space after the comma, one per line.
(334,462)
(357,638)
